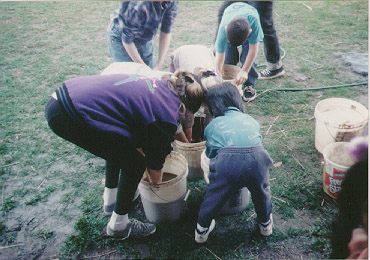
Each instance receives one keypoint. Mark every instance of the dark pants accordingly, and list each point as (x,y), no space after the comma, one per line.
(118,151)
(232,169)
(270,40)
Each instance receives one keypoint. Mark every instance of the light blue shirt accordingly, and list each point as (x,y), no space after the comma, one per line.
(233,129)
(239,10)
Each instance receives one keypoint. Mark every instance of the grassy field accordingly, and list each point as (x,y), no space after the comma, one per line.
(51,190)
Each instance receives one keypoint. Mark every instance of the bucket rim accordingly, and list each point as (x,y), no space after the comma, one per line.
(342,103)
(190,145)
(167,183)
(326,158)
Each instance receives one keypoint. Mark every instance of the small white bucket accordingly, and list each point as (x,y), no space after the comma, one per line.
(235,204)
(338,120)
(191,152)
(166,201)
(336,163)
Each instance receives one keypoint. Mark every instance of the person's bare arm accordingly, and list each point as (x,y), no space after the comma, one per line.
(220,60)
(132,52)
(164,43)
(251,56)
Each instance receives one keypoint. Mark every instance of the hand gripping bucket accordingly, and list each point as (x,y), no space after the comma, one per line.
(229,73)
(166,201)
(338,120)
(235,204)
(336,163)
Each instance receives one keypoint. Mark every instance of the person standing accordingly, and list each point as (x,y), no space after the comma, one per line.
(133,27)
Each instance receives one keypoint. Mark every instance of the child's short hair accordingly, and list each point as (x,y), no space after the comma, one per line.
(237,31)
(222,96)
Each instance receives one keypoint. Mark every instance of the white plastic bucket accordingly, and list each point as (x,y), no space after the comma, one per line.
(235,204)
(338,120)
(336,164)
(191,152)
(166,201)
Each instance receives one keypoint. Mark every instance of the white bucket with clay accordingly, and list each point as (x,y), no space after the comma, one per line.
(338,120)
(235,204)
(336,163)
(166,201)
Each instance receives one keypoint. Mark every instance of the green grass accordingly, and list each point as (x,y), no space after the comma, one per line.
(44,178)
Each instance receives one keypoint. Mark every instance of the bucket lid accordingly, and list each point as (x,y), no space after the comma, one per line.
(341,113)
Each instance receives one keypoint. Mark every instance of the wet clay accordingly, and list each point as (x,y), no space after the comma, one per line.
(167,176)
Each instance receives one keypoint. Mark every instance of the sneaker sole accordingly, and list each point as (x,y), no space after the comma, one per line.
(200,241)
(273,77)
(249,99)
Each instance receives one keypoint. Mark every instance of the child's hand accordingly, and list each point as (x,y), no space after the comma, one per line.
(241,77)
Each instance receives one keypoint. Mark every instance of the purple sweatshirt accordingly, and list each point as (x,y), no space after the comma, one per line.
(141,109)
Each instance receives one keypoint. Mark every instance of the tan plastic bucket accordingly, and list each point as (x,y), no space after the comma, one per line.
(338,120)
(235,204)
(166,201)
(191,152)
(336,164)
(229,73)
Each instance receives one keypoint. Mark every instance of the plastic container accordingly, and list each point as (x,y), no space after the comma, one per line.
(229,73)
(336,164)
(191,152)
(235,204)
(338,120)
(166,201)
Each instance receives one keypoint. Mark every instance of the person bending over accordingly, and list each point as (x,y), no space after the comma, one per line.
(129,121)
(237,160)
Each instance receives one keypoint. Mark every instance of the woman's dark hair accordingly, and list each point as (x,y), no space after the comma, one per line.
(237,31)
(222,96)
(352,206)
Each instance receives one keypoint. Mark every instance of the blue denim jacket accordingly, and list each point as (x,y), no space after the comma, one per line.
(140,20)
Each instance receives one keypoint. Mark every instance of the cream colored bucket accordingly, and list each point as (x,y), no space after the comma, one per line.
(229,73)
(191,152)
(235,204)
(338,120)
(336,164)
(166,201)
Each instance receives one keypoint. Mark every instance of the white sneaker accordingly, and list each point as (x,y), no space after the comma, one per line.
(201,237)
(266,229)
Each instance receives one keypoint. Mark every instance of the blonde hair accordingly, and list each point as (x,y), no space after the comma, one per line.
(207,81)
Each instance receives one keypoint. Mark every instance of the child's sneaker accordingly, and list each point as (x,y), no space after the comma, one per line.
(135,229)
(266,228)
(271,74)
(202,236)
(249,92)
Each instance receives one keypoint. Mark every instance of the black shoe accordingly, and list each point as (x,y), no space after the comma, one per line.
(249,93)
(271,74)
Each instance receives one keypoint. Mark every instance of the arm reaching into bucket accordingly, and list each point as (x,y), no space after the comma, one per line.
(155,176)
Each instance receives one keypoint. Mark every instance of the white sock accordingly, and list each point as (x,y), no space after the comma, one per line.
(200,228)
(118,222)
(110,196)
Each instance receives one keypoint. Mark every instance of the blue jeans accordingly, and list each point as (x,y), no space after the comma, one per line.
(118,52)
(232,169)
(232,57)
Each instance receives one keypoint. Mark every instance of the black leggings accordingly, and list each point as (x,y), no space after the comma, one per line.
(118,151)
